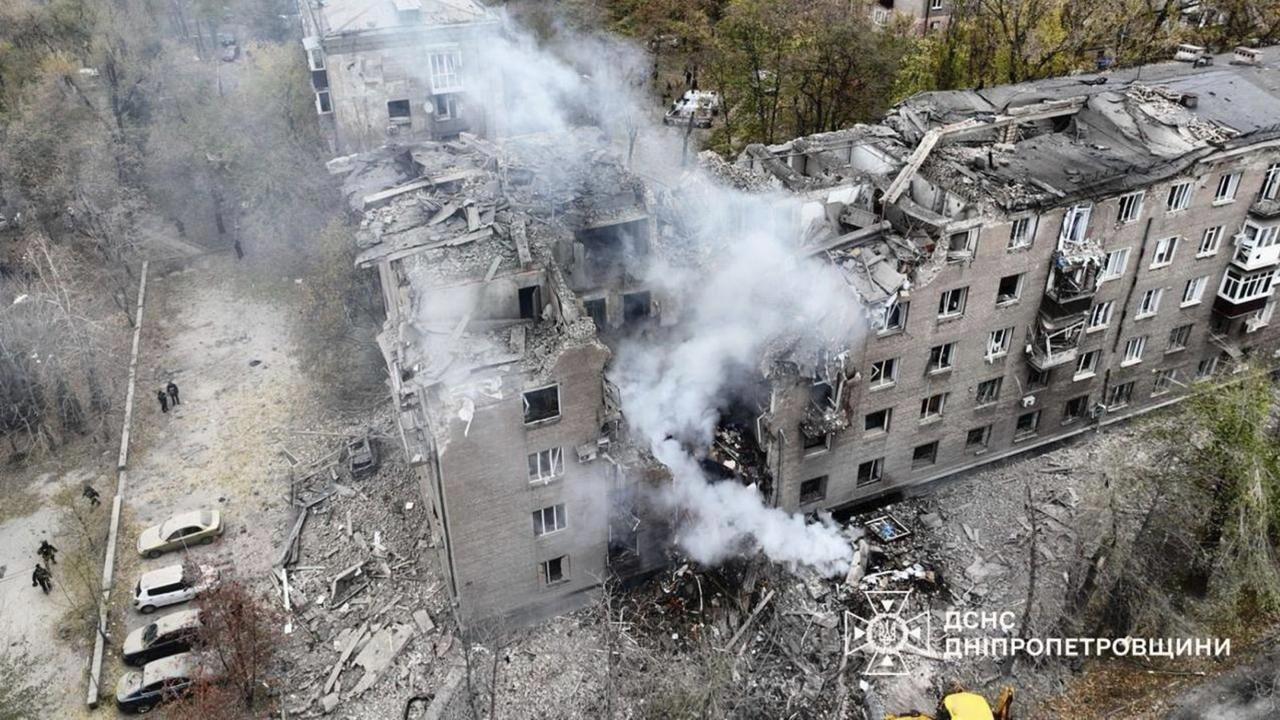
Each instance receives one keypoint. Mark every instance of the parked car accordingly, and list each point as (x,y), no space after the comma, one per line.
(362,457)
(171,585)
(159,681)
(169,635)
(180,531)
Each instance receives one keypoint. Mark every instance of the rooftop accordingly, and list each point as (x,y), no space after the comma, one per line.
(338,17)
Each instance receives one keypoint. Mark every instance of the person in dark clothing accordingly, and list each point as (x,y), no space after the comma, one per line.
(48,552)
(40,576)
(172,389)
(92,494)
(164,401)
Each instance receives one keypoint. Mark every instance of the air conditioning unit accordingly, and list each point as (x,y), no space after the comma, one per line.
(1028,401)
(393,129)
(1097,410)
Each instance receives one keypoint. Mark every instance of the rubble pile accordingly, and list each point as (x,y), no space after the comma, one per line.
(356,578)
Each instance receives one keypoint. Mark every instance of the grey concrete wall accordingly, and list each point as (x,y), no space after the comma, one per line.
(489,500)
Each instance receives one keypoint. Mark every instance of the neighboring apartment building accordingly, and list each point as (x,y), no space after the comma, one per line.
(397,71)
(926,15)
(1034,261)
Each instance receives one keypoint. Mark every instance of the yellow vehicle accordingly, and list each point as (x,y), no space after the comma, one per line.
(963,705)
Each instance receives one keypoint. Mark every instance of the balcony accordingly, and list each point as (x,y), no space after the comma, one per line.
(1056,341)
(1243,292)
(1265,209)
(1073,279)
(1257,246)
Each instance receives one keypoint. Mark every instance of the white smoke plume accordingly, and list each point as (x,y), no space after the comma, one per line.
(755,292)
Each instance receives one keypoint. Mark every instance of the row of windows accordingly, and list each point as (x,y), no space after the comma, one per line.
(1076,220)
(978,439)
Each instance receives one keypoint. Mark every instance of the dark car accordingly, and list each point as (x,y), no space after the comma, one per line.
(172,634)
(159,682)
(362,456)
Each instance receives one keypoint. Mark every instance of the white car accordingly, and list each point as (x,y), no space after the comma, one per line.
(171,585)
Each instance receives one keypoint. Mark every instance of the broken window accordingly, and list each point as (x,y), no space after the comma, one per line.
(324,105)
(1021,233)
(549,519)
(814,443)
(1119,395)
(398,110)
(1228,186)
(932,406)
(635,306)
(1194,290)
(978,438)
(813,490)
(871,471)
(895,317)
(541,404)
(1165,249)
(1076,409)
(1009,290)
(530,302)
(988,391)
(554,570)
(1164,381)
(924,455)
(1087,364)
(941,357)
(1207,368)
(1178,338)
(878,421)
(1179,197)
(446,72)
(998,342)
(1075,223)
(1133,350)
(1209,242)
(1271,183)
(883,373)
(546,465)
(962,245)
(1027,425)
(1150,302)
(1113,265)
(1130,207)
(1100,315)
(446,106)
(597,309)
(1260,318)
(951,302)
(1037,379)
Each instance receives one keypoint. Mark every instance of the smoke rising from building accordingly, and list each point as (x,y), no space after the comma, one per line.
(753,301)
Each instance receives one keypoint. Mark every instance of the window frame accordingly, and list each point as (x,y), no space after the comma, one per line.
(982,399)
(1130,207)
(559,520)
(873,384)
(1020,433)
(1179,197)
(1109,307)
(821,494)
(554,461)
(1003,300)
(946,358)
(1106,274)
(1179,338)
(1198,284)
(884,427)
(917,462)
(875,473)
(926,403)
(1025,239)
(1149,303)
(984,444)
(540,421)
(1226,195)
(1164,252)
(1113,401)
(962,293)
(1082,372)
(1134,349)
(1212,236)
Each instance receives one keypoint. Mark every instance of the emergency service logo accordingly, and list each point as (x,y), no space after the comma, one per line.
(891,633)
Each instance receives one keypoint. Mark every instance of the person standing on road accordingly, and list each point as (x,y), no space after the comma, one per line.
(48,552)
(40,576)
(172,389)
(164,401)
(92,495)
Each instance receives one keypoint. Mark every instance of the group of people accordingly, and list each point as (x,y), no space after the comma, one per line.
(41,576)
(168,397)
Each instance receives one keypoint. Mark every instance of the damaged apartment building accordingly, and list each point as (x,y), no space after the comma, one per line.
(387,71)
(1034,261)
